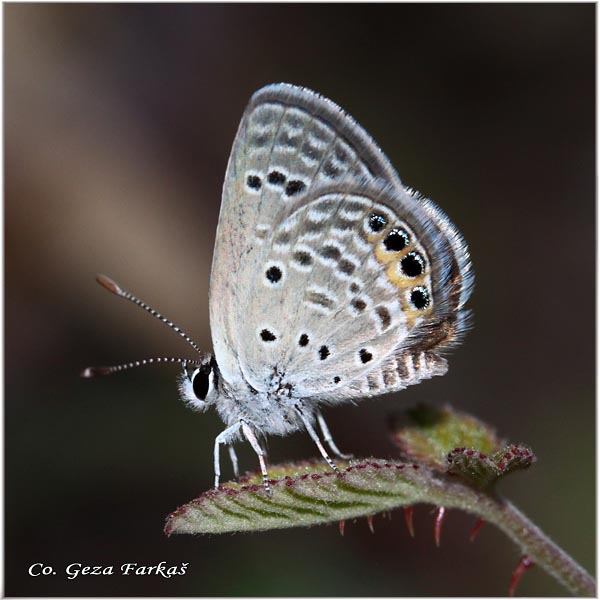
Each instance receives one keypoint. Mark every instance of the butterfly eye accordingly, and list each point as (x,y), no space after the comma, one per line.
(202,382)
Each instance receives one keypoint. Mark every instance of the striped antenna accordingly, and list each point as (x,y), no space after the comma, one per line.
(98,371)
(116,289)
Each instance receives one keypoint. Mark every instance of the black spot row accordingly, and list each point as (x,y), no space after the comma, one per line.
(320,299)
(293,187)
(420,298)
(365,356)
(396,240)
(303,341)
(267,336)
(377,222)
(412,264)
(346,267)
(359,305)
(254,182)
(324,352)
(384,316)
(333,253)
(330,252)
(303,258)
(276,178)
(273,274)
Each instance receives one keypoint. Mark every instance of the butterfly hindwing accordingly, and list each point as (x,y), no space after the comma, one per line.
(358,276)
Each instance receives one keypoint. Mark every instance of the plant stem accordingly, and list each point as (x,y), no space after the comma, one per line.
(543,551)
(533,541)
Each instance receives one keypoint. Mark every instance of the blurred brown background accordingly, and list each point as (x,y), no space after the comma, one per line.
(118,124)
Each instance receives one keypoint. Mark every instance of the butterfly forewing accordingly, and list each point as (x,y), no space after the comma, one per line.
(289,140)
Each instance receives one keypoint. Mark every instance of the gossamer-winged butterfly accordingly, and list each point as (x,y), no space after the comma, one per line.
(331,281)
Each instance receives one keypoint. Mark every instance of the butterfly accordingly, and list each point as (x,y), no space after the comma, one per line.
(331,281)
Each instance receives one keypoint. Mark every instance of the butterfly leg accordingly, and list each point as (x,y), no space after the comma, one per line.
(223,438)
(328,439)
(315,438)
(234,461)
(260,453)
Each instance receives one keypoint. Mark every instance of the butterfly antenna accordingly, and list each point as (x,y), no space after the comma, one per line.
(98,371)
(116,289)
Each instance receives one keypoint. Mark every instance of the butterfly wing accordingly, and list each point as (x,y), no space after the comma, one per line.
(330,279)
(289,141)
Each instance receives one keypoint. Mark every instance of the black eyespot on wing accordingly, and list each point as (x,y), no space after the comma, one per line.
(201,384)
(384,316)
(354,288)
(253,182)
(377,222)
(365,356)
(303,341)
(295,187)
(323,352)
(359,304)
(412,264)
(273,274)
(336,379)
(330,252)
(276,178)
(396,240)
(303,258)
(267,336)
(420,298)
(346,267)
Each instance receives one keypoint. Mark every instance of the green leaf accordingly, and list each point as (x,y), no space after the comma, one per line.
(304,494)
(436,432)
